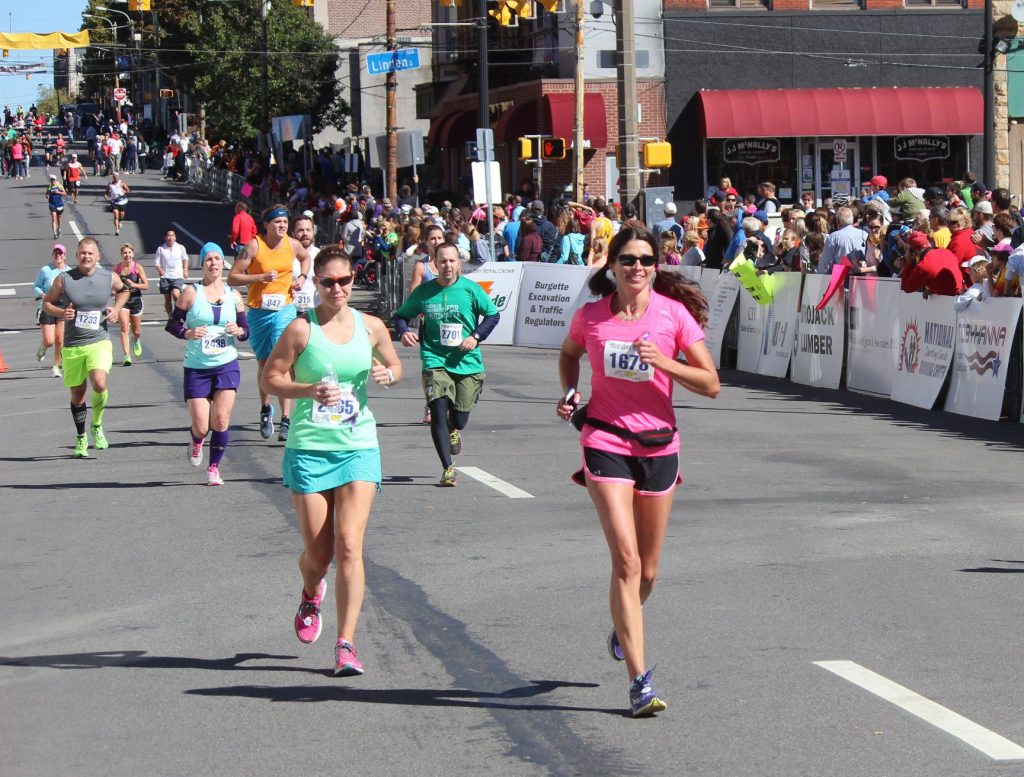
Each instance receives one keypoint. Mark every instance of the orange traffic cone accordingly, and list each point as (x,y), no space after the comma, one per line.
(3,364)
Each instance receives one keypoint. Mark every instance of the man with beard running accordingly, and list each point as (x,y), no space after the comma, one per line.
(265,265)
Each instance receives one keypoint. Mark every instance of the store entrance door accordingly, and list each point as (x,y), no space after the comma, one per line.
(846,180)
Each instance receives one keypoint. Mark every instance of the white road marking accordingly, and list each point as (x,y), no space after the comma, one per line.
(26,283)
(7,292)
(512,492)
(75,229)
(993,745)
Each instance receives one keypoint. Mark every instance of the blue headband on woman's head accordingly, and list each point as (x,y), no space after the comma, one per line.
(210,248)
(275,213)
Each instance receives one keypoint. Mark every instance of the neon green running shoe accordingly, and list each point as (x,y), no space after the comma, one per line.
(99,439)
(81,447)
(137,346)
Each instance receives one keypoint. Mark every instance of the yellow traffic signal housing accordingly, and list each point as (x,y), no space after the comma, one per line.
(139,5)
(502,13)
(526,148)
(521,8)
(551,6)
(303,3)
(657,154)
(552,148)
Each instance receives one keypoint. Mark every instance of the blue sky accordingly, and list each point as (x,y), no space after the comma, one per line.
(52,16)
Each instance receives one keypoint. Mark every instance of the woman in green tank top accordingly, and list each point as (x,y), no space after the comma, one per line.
(331,461)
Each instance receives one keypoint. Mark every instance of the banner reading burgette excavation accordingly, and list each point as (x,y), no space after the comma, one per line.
(547,298)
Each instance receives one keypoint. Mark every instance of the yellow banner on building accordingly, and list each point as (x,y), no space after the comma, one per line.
(44,40)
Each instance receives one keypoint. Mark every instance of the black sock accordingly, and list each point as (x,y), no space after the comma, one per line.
(264,409)
(78,413)
(439,431)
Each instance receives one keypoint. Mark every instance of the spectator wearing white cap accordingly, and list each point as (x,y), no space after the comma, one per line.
(983,234)
(669,223)
(978,268)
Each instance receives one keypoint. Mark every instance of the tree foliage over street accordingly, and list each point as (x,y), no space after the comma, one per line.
(211,51)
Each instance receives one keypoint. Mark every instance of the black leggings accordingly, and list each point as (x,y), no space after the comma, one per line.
(444,418)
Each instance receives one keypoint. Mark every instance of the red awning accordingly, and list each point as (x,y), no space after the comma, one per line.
(516,122)
(561,111)
(436,126)
(461,128)
(771,113)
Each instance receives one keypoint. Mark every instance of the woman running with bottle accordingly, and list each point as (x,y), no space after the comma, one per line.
(55,195)
(134,277)
(331,460)
(631,337)
(211,319)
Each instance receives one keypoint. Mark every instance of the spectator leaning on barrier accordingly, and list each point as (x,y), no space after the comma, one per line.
(929,270)
(1012,270)
(847,241)
(978,270)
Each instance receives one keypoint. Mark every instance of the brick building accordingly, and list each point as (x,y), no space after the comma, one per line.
(762,90)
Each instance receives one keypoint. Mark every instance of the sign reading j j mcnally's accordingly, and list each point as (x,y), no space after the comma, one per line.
(921,148)
(751,151)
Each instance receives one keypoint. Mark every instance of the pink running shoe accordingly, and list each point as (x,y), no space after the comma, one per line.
(346,662)
(213,477)
(195,453)
(307,620)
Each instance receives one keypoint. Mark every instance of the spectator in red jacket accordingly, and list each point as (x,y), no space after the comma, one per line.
(243,227)
(960,242)
(930,270)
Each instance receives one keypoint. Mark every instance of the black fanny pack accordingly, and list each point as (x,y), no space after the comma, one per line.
(649,438)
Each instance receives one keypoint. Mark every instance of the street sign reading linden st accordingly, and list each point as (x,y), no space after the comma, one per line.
(390,61)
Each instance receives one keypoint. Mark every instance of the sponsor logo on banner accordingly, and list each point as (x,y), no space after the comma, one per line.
(982,364)
(500,300)
(984,338)
(910,348)
(548,298)
(500,281)
(927,336)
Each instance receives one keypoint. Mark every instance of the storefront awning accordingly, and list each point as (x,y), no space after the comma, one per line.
(561,115)
(516,122)
(452,129)
(773,113)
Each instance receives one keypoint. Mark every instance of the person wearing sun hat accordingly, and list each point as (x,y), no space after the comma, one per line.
(50,327)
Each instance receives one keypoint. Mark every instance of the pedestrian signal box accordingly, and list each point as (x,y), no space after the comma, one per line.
(526,148)
(166,94)
(552,148)
(657,154)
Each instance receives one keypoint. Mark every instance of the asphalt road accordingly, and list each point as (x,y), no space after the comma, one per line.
(146,619)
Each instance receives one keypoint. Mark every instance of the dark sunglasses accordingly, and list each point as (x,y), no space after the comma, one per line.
(730,199)
(628,260)
(328,283)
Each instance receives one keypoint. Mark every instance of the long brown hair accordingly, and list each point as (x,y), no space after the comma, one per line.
(668,284)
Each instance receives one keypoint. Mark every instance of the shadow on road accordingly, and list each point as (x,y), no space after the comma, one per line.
(120,484)
(998,570)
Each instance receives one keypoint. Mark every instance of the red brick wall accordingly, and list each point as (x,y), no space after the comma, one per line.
(368,18)
(686,5)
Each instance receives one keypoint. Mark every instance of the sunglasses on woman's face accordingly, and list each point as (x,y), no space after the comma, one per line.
(344,280)
(628,260)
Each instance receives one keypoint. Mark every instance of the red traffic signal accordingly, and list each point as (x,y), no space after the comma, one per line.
(553,148)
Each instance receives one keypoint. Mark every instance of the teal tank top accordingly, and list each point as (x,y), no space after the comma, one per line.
(350,425)
(218,347)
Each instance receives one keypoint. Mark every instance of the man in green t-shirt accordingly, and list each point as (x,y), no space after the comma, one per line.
(457,316)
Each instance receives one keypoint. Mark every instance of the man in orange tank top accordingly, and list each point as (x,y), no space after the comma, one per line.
(265,265)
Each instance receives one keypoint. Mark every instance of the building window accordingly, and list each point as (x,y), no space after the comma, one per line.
(835,5)
(934,3)
(745,5)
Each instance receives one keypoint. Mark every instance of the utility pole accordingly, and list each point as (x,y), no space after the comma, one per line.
(484,116)
(265,94)
(392,108)
(629,156)
(580,86)
(989,99)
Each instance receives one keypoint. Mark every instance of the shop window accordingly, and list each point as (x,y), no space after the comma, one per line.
(934,3)
(779,166)
(745,5)
(908,157)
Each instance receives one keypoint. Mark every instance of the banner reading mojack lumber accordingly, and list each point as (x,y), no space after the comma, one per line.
(819,350)
(984,336)
(927,334)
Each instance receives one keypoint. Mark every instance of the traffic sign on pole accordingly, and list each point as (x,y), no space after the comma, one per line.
(120,93)
(839,149)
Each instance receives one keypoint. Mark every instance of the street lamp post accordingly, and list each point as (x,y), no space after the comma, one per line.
(117,77)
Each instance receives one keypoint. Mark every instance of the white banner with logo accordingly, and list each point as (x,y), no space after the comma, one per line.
(708,281)
(819,349)
(780,325)
(873,344)
(925,340)
(984,336)
(500,281)
(548,294)
(721,301)
(752,315)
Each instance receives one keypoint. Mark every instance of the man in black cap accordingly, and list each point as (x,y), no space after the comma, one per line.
(550,250)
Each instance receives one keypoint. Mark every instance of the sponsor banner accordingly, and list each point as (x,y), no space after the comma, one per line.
(819,339)
(780,326)
(984,336)
(752,315)
(708,282)
(924,348)
(873,342)
(721,301)
(500,281)
(547,299)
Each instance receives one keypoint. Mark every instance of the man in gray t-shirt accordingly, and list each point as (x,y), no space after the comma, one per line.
(848,241)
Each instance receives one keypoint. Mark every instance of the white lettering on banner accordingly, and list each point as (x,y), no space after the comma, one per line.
(872,343)
(500,281)
(927,329)
(819,353)
(984,338)
(547,300)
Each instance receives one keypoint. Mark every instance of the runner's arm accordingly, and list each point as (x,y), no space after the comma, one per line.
(53,296)
(241,327)
(37,287)
(121,292)
(277,379)
(176,323)
(143,283)
(697,374)
(568,374)
(387,367)
(238,275)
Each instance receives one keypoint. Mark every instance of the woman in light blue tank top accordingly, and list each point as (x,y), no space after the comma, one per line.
(210,318)
(332,462)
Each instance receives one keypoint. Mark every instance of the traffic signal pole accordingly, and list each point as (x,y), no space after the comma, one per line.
(580,86)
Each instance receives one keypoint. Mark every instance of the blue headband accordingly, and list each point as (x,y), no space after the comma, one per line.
(210,248)
(275,213)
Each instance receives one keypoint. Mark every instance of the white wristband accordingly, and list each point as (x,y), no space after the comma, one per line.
(391,378)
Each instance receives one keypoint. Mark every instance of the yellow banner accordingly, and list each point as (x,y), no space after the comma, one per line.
(44,40)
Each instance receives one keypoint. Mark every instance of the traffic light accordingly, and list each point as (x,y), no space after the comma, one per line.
(502,13)
(166,94)
(657,154)
(138,5)
(526,148)
(521,8)
(552,148)
(551,6)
